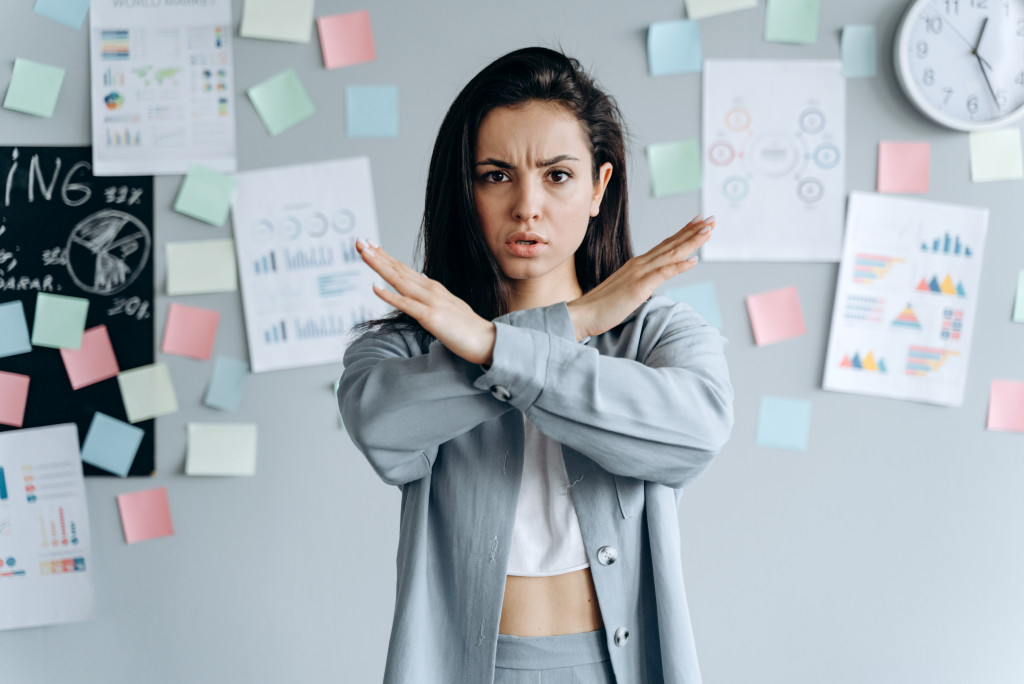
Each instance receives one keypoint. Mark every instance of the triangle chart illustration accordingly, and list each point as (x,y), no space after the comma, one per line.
(868,363)
(946,287)
(907,319)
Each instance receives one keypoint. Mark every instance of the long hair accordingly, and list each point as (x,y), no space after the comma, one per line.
(454,251)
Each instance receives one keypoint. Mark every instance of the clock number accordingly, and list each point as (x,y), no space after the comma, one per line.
(954,5)
(1001,99)
(972,104)
(929,77)
(1020,27)
(934,24)
(922,49)
(979,4)
(949,93)
(1019,80)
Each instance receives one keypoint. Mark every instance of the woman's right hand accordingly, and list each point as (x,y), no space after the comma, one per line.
(622,292)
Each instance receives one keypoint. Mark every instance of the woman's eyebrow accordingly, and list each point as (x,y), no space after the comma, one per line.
(490,161)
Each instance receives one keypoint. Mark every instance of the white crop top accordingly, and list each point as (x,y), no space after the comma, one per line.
(546,537)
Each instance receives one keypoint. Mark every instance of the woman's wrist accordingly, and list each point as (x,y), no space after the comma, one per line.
(578,314)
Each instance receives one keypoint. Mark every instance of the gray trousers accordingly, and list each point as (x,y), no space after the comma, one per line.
(564,659)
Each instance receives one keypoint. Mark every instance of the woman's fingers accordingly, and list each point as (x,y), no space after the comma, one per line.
(400,276)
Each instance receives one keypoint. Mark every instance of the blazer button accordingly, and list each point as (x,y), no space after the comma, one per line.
(606,555)
(621,636)
(500,392)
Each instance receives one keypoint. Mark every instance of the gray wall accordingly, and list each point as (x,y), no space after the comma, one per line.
(889,552)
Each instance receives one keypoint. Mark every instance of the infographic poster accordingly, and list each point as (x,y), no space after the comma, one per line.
(304,285)
(163,92)
(906,299)
(774,159)
(45,564)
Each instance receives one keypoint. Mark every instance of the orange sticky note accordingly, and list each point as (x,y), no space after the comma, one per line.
(1006,406)
(190,331)
(346,39)
(94,361)
(903,166)
(145,515)
(13,395)
(775,316)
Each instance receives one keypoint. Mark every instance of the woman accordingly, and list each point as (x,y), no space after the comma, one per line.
(538,407)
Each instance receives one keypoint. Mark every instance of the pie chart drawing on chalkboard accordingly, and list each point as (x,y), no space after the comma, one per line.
(107,250)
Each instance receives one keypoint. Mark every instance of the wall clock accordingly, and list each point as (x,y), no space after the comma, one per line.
(961,62)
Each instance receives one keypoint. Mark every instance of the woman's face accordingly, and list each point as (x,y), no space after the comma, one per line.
(534,191)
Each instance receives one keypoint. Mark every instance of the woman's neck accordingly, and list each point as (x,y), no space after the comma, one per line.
(533,294)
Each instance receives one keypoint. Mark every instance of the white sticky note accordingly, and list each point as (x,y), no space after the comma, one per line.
(699,9)
(221,449)
(290,21)
(996,155)
(201,266)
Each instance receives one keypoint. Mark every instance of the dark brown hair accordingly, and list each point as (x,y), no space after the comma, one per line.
(454,251)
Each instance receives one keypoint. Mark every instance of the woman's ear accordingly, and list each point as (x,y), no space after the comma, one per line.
(604,174)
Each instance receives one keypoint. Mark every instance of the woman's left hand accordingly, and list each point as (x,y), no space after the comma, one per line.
(450,319)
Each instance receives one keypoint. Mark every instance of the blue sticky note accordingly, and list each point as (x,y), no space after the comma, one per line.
(226,381)
(71,13)
(13,329)
(701,297)
(784,423)
(371,111)
(111,444)
(859,51)
(673,47)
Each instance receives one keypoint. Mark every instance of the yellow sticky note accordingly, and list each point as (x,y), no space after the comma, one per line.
(147,392)
(290,21)
(221,449)
(996,155)
(201,266)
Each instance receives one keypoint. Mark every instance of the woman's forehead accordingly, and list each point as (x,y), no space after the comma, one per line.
(534,129)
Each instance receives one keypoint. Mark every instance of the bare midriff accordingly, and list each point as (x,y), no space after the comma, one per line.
(546,606)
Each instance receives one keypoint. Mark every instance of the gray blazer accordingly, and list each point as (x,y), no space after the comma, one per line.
(639,410)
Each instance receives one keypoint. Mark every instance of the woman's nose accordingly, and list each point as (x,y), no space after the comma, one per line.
(527,202)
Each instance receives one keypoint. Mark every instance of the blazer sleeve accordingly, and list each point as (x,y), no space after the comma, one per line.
(399,402)
(661,417)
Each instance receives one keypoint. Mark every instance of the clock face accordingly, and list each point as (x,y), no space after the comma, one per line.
(962,61)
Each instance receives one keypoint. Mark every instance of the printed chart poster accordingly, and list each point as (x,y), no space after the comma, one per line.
(65,232)
(45,567)
(774,159)
(303,284)
(906,299)
(163,91)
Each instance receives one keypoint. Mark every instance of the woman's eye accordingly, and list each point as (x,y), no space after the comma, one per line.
(559,176)
(495,176)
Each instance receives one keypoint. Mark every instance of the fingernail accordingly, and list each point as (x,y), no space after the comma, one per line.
(360,242)
(696,219)
(706,229)
(373,243)
(694,258)
(709,219)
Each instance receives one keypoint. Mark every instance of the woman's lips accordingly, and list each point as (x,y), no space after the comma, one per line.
(525,244)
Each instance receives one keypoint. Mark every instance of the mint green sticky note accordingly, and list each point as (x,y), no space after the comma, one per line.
(791,21)
(371,111)
(71,13)
(675,167)
(281,101)
(34,88)
(784,423)
(702,299)
(1018,308)
(59,321)
(673,47)
(859,51)
(205,194)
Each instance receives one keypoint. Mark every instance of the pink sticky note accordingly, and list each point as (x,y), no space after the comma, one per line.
(775,316)
(190,331)
(94,361)
(903,166)
(346,39)
(1006,406)
(145,515)
(13,395)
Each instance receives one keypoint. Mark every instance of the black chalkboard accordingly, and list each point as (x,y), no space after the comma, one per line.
(66,232)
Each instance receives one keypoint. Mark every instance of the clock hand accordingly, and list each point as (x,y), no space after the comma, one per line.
(984,73)
(974,50)
(964,38)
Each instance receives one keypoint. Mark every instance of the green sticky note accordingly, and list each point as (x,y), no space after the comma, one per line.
(59,321)
(859,51)
(1018,307)
(675,167)
(147,392)
(205,194)
(34,88)
(791,21)
(290,21)
(281,101)
(699,9)
(996,155)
